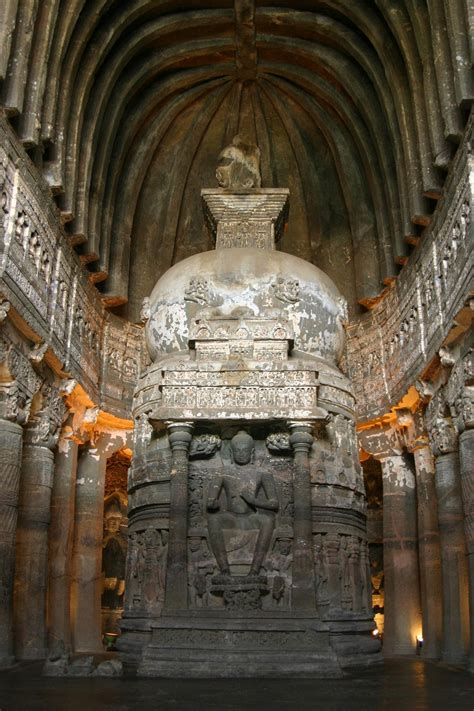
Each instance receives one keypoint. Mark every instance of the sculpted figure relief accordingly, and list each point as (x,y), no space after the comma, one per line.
(113,559)
(201,567)
(239,166)
(279,565)
(243,498)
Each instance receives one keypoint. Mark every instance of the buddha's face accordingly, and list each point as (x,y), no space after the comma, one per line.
(242,449)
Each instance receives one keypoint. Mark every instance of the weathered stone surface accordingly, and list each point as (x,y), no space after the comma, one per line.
(60,540)
(402,599)
(31,570)
(266,518)
(453,559)
(429,551)
(93,194)
(11,436)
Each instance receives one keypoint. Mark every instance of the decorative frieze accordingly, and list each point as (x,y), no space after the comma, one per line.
(388,349)
(48,289)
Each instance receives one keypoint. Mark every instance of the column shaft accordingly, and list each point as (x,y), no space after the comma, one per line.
(402,596)
(31,571)
(453,559)
(61,533)
(429,554)
(87,552)
(176,588)
(11,440)
(303,590)
(466,453)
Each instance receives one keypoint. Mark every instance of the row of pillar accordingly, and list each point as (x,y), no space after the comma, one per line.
(428,532)
(51,530)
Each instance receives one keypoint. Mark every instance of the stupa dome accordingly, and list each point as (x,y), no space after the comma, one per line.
(239,285)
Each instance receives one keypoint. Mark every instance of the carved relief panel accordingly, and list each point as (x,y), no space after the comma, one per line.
(342,577)
(240,522)
(146,571)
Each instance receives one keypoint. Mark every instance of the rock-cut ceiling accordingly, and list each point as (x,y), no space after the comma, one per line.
(356,105)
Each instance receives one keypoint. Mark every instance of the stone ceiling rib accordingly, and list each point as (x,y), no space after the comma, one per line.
(99,89)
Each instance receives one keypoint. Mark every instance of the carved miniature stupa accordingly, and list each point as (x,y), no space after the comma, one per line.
(248,551)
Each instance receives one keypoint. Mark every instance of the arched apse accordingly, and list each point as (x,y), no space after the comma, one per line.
(356,106)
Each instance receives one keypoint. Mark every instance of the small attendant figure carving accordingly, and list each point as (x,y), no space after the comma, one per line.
(200,568)
(321,570)
(346,591)
(113,559)
(252,506)
(280,563)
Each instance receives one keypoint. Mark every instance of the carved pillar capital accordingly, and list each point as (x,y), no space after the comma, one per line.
(442,432)
(459,392)
(18,383)
(464,409)
(180,435)
(301,436)
(412,429)
(381,442)
(46,419)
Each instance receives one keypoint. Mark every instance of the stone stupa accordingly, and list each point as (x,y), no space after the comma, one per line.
(247,530)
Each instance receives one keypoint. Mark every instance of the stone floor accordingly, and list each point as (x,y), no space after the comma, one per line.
(403,685)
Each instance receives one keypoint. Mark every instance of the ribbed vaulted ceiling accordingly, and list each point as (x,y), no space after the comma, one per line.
(356,105)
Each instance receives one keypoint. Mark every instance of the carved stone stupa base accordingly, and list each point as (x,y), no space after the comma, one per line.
(240,647)
(248,547)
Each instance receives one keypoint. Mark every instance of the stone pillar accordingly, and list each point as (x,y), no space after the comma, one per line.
(61,531)
(303,590)
(18,385)
(453,558)
(87,550)
(402,592)
(444,443)
(429,552)
(402,621)
(176,590)
(11,440)
(460,389)
(466,453)
(31,570)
